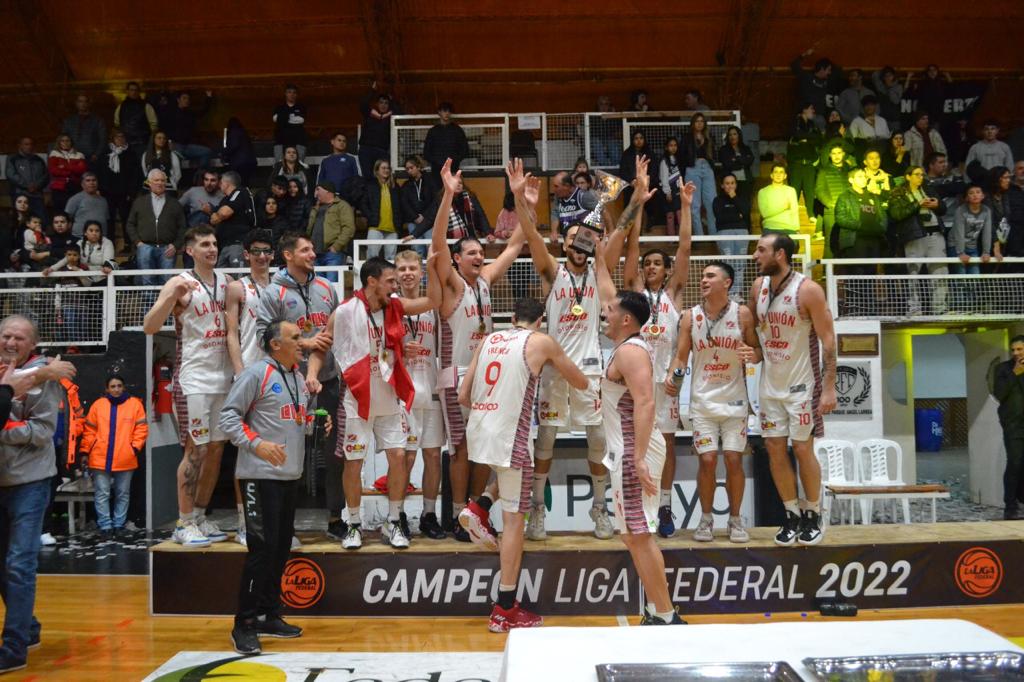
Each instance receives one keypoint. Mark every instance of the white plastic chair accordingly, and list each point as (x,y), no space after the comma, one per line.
(876,457)
(836,460)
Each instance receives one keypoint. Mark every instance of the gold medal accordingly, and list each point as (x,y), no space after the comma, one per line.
(385,355)
(307,326)
(298,418)
(654,330)
(577,310)
(483,328)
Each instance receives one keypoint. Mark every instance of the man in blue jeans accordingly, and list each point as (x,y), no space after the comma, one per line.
(156,226)
(27,454)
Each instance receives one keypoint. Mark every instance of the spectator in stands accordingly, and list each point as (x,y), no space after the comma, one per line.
(65,165)
(271,218)
(234,218)
(849,103)
(27,449)
(161,156)
(35,244)
(88,132)
(915,226)
(181,128)
(698,158)
(296,207)
(70,308)
(136,119)
(1018,174)
(948,187)
(12,231)
(989,151)
(60,238)
(331,227)
(583,166)
(896,159)
(970,237)
(1008,389)
(202,200)
(859,232)
(88,205)
(445,140)
(290,124)
(815,87)
(27,175)
(605,134)
(835,133)
(95,250)
(737,158)
(239,154)
(638,101)
(669,174)
(382,207)
(921,140)
(339,167)
(569,204)
(466,218)
(694,101)
(890,95)
(830,183)
(292,168)
(869,127)
(733,219)
(627,169)
(416,196)
(121,179)
(879,182)
(1007,204)
(778,205)
(163,105)
(375,142)
(278,190)
(583,181)
(930,92)
(156,226)
(998,198)
(802,155)
(958,141)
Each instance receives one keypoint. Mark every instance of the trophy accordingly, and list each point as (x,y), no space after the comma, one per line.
(608,189)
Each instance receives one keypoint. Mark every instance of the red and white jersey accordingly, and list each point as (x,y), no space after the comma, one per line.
(422,367)
(792,363)
(203,366)
(502,402)
(661,331)
(461,333)
(718,385)
(248,338)
(577,334)
(617,408)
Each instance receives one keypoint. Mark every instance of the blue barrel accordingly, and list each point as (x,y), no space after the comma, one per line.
(928,429)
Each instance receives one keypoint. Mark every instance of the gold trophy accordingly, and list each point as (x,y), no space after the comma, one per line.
(608,189)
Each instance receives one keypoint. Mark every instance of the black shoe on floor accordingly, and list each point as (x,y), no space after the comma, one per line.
(430,527)
(811,532)
(8,664)
(337,530)
(461,534)
(1011,514)
(787,535)
(274,626)
(651,619)
(245,640)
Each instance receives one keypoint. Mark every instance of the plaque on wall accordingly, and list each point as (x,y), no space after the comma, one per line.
(858,345)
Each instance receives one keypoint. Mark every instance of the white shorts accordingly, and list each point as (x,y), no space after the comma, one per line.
(666,410)
(635,511)
(711,432)
(515,488)
(201,420)
(426,428)
(560,404)
(795,417)
(356,435)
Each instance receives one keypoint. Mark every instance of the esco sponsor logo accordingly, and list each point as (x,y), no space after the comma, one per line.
(196,433)
(358,447)
(551,414)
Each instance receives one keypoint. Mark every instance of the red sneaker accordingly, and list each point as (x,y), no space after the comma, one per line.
(477,523)
(515,617)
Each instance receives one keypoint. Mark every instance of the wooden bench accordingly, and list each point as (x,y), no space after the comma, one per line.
(932,491)
(78,491)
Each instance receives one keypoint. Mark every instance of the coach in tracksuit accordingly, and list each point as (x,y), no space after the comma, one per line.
(264,415)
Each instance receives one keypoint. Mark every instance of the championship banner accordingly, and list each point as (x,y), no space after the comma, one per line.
(726,579)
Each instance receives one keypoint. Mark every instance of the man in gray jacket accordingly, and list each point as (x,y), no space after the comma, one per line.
(27,463)
(156,226)
(265,416)
(27,174)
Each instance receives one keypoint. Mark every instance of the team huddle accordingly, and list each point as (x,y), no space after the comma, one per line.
(404,368)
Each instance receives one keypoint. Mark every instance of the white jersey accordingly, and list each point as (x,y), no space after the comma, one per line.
(577,334)
(252,351)
(461,333)
(422,368)
(203,366)
(617,415)
(502,402)
(661,331)
(718,386)
(792,363)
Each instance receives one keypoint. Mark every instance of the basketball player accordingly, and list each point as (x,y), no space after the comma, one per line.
(501,383)
(662,280)
(574,321)
(792,319)
(635,451)
(425,419)
(369,348)
(720,334)
(465,321)
(196,298)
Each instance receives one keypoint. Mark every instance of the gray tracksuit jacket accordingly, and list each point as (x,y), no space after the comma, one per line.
(283,299)
(259,408)
(26,443)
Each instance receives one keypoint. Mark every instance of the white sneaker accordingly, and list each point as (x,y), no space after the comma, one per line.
(737,533)
(391,534)
(603,528)
(535,526)
(240,537)
(211,531)
(296,543)
(189,535)
(353,538)
(705,531)
(47,540)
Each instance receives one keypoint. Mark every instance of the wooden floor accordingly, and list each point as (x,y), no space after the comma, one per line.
(99,628)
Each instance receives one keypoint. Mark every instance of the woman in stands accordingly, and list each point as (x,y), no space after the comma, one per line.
(66,166)
(239,154)
(12,230)
(97,253)
(669,172)
(896,158)
(161,154)
(272,219)
(293,169)
(698,158)
(466,219)
(737,158)
(297,210)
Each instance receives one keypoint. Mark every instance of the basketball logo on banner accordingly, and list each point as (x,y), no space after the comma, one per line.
(978,572)
(302,583)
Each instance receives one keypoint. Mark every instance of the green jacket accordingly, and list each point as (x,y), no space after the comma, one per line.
(830,183)
(859,215)
(339,225)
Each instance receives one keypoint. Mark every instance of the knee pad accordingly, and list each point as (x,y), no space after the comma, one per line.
(545,445)
(595,443)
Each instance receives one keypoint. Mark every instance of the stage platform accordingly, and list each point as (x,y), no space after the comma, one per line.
(877,566)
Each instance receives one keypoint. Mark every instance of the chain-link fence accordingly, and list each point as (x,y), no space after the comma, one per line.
(487,136)
(67,310)
(657,132)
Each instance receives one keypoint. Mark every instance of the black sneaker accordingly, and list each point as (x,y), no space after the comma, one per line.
(1011,514)
(651,619)
(403,521)
(34,641)
(430,527)
(9,664)
(787,535)
(461,534)
(810,528)
(274,626)
(666,521)
(246,640)
(337,529)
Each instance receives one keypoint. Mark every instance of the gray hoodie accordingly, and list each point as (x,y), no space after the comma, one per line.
(283,299)
(26,443)
(259,408)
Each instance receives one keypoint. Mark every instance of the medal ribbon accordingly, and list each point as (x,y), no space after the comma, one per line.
(292,396)
(577,293)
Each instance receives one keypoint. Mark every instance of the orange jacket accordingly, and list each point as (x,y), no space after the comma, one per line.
(114,433)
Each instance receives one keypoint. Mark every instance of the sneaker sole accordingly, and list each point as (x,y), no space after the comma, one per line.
(740,541)
(355,547)
(217,538)
(782,543)
(497,629)
(193,545)
(477,534)
(710,539)
(813,542)
(254,652)
(13,668)
(276,636)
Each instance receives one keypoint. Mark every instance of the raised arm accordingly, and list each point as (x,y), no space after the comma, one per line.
(526,190)
(174,290)
(631,278)
(681,263)
(439,238)
(821,319)
(605,286)
(232,310)
(497,268)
